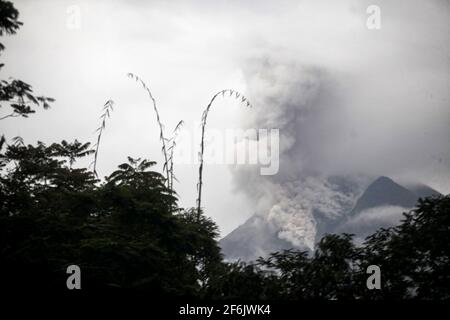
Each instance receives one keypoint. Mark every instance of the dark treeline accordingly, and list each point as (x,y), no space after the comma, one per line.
(127,232)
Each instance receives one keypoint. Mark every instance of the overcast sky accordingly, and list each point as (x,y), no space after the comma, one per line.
(374,102)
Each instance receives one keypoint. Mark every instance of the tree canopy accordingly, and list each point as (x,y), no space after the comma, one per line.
(124,233)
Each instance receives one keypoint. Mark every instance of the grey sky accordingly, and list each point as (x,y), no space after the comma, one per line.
(382,104)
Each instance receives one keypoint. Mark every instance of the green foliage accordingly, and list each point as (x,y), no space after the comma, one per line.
(9,23)
(128,232)
(414,256)
(121,232)
(71,151)
(17,94)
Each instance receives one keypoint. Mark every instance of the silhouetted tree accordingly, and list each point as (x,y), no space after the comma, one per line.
(414,256)
(17,94)
(71,151)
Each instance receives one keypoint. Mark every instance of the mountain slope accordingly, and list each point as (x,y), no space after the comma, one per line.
(384,192)
(423,191)
(254,238)
(380,205)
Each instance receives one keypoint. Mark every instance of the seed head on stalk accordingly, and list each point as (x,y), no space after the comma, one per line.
(107,109)
(161,126)
(237,95)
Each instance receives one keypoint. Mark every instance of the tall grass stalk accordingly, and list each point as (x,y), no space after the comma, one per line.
(107,109)
(171,149)
(205,113)
(161,126)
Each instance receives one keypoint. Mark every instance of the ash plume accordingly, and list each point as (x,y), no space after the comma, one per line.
(293,99)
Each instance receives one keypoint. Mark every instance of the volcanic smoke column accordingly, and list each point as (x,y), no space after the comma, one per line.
(284,97)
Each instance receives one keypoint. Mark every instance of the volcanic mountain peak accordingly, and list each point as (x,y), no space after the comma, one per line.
(384,192)
(380,205)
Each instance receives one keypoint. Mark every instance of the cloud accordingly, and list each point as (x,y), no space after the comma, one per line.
(386,215)
(368,221)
